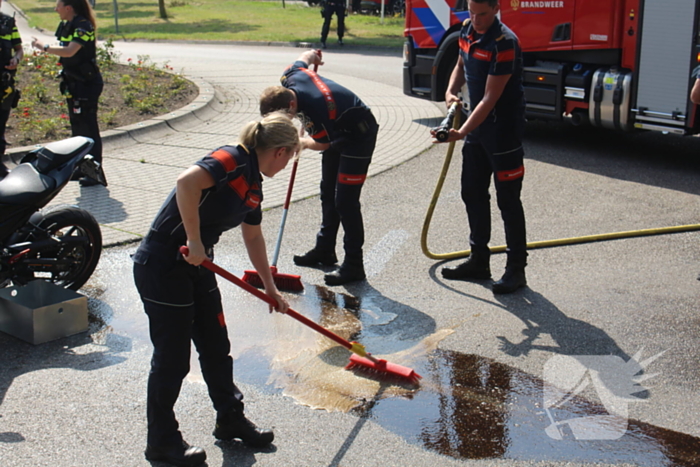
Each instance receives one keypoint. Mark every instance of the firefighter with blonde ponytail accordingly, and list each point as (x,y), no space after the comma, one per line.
(219,192)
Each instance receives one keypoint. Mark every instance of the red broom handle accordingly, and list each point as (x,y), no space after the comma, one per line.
(263,296)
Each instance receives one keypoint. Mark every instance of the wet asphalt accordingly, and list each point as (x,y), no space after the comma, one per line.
(80,400)
(483,400)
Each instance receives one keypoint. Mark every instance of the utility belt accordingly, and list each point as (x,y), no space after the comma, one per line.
(84,72)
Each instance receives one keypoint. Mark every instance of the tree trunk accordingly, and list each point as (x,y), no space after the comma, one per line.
(161,8)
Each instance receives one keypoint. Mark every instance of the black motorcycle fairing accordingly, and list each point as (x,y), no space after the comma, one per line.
(24,185)
(60,243)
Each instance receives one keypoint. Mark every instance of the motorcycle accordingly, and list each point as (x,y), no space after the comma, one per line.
(61,243)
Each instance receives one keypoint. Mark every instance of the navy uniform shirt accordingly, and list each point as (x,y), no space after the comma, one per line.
(320,101)
(234,198)
(9,39)
(79,30)
(496,52)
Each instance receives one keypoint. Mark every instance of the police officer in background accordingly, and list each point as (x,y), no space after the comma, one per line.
(10,55)
(330,7)
(82,82)
(490,63)
(343,128)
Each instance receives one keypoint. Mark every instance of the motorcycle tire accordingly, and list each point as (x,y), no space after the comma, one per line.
(77,261)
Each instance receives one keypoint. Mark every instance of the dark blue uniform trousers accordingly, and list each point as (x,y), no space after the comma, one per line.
(82,111)
(502,158)
(183,304)
(328,10)
(343,173)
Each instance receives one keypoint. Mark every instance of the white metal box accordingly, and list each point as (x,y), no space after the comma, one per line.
(42,311)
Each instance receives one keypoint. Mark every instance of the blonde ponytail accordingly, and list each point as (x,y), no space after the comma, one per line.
(275,130)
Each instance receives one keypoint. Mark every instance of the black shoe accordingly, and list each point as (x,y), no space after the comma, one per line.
(511,281)
(340,42)
(315,257)
(181,456)
(323,44)
(88,181)
(475,268)
(235,425)
(346,273)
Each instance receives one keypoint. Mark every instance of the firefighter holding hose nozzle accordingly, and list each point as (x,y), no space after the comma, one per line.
(490,63)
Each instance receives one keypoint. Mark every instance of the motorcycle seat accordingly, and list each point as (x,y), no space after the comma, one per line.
(55,154)
(23,185)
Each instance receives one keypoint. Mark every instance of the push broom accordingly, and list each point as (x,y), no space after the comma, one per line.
(287,282)
(360,358)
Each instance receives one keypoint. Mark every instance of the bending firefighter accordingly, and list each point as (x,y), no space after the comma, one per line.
(490,63)
(183,303)
(343,128)
(81,79)
(10,55)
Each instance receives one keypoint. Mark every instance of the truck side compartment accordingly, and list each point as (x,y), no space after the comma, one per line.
(621,64)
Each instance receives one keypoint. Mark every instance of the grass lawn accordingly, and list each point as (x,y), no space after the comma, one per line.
(222,20)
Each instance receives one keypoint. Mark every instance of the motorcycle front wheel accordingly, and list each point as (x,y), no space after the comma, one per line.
(73,258)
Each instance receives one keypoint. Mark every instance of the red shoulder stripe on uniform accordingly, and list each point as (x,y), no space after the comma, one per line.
(464,45)
(240,186)
(320,134)
(507,175)
(226,159)
(481,54)
(506,56)
(325,90)
(349,179)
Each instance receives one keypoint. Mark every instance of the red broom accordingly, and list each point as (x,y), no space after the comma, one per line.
(361,358)
(287,282)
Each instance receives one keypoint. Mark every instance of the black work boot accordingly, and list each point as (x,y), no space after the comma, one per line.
(315,257)
(351,270)
(475,268)
(181,456)
(512,280)
(235,425)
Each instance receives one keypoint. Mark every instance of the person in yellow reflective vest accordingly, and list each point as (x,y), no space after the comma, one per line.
(81,79)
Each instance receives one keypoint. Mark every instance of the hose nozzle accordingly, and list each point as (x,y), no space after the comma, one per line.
(442,131)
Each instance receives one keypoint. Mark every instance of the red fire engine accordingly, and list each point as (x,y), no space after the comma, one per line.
(620,64)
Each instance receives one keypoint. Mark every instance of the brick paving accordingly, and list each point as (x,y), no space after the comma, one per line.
(143,160)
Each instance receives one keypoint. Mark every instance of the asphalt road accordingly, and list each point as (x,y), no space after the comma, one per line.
(482,401)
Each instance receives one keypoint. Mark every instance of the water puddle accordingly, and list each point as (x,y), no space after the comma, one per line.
(466,406)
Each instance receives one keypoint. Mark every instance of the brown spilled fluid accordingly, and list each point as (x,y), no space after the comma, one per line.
(465,407)
(311,368)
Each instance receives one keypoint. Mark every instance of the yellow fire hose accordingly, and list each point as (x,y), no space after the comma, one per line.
(532,245)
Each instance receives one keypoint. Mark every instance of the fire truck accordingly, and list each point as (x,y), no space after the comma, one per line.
(618,64)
